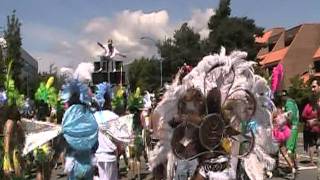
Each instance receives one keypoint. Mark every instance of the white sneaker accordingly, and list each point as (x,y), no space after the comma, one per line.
(99,70)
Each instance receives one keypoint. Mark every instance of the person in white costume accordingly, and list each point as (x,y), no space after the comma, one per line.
(106,154)
(109,52)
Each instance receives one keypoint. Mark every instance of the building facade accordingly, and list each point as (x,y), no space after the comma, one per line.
(29,72)
(297,48)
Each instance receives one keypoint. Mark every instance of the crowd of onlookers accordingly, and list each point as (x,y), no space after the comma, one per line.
(288,122)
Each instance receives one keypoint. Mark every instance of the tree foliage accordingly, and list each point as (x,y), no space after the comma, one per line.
(184,47)
(14,42)
(144,73)
(299,91)
(234,33)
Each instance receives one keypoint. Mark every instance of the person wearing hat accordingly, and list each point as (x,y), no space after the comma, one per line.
(109,52)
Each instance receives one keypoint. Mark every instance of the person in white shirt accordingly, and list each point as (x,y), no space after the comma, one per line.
(106,154)
(109,52)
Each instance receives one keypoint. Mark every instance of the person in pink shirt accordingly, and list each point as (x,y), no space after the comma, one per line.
(310,116)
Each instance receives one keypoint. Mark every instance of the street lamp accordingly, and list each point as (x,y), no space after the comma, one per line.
(160,59)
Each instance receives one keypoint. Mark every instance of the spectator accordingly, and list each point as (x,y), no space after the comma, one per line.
(310,116)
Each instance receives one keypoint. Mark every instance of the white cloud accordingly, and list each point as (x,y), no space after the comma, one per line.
(199,21)
(125,29)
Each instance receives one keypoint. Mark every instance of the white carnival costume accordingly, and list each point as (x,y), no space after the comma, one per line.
(201,116)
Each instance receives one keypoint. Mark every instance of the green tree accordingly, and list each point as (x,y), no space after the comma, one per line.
(14,42)
(187,43)
(144,73)
(184,47)
(299,91)
(234,33)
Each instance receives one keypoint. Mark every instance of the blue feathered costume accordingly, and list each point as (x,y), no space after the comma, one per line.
(79,129)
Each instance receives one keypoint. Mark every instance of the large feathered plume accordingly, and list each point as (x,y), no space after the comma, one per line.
(101,90)
(83,72)
(77,83)
(47,93)
(234,77)
(76,87)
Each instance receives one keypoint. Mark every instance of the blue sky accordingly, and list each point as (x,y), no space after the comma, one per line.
(64,32)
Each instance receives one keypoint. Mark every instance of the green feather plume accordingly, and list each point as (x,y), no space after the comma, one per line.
(135,101)
(14,97)
(47,93)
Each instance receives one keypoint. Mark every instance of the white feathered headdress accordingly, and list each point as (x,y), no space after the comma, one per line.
(232,75)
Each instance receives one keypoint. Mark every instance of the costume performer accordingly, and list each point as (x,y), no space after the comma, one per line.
(109,53)
(79,127)
(46,98)
(14,136)
(291,145)
(106,154)
(200,118)
(135,104)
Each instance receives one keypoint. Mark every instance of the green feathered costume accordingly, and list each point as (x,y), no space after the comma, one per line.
(135,103)
(118,101)
(47,93)
(15,134)
(291,143)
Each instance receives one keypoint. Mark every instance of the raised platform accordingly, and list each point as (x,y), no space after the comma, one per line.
(111,77)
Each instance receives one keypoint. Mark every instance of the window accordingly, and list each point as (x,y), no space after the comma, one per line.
(316,65)
(288,41)
(271,46)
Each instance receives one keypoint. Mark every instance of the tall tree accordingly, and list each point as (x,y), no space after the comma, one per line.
(222,13)
(299,91)
(188,45)
(144,73)
(234,33)
(13,38)
(184,47)
(168,51)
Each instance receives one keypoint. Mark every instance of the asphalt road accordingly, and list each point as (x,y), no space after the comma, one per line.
(306,170)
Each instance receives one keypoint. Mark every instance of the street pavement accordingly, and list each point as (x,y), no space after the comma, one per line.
(306,170)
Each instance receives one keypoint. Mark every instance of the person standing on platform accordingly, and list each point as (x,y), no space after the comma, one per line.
(109,53)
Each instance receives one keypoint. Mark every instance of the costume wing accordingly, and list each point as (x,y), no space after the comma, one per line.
(38,133)
(119,128)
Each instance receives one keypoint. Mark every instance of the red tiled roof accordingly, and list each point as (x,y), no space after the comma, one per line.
(317,54)
(273,56)
(265,37)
